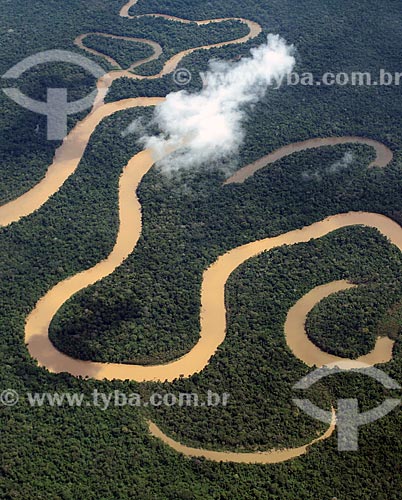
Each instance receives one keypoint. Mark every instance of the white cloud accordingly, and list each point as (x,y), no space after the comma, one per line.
(207,126)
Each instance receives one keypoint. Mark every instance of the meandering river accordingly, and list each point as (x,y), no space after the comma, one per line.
(213,312)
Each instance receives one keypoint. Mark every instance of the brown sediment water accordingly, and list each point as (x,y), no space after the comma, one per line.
(255,28)
(69,154)
(124,11)
(213,312)
(157,49)
(66,160)
(172,63)
(261,457)
(304,349)
(383,154)
(301,346)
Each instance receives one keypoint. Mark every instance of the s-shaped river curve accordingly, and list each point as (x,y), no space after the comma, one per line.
(213,313)
(69,154)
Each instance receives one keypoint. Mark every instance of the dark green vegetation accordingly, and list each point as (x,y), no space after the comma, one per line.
(124,52)
(24,151)
(158,317)
(173,38)
(255,366)
(183,36)
(190,219)
(348,323)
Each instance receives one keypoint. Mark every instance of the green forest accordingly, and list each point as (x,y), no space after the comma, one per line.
(124,52)
(371,312)
(147,311)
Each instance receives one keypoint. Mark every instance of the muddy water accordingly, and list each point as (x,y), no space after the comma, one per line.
(172,63)
(383,154)
(69,154)
(254,30)
(79,41)
(37,324)
(124,11)
(213,312)
(295,334)
(307,351)
(66,160)
(262,457)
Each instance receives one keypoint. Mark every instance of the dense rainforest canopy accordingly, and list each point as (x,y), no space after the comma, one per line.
(148,310)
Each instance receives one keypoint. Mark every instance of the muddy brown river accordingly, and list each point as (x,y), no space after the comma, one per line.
(213,312)
(383,154)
